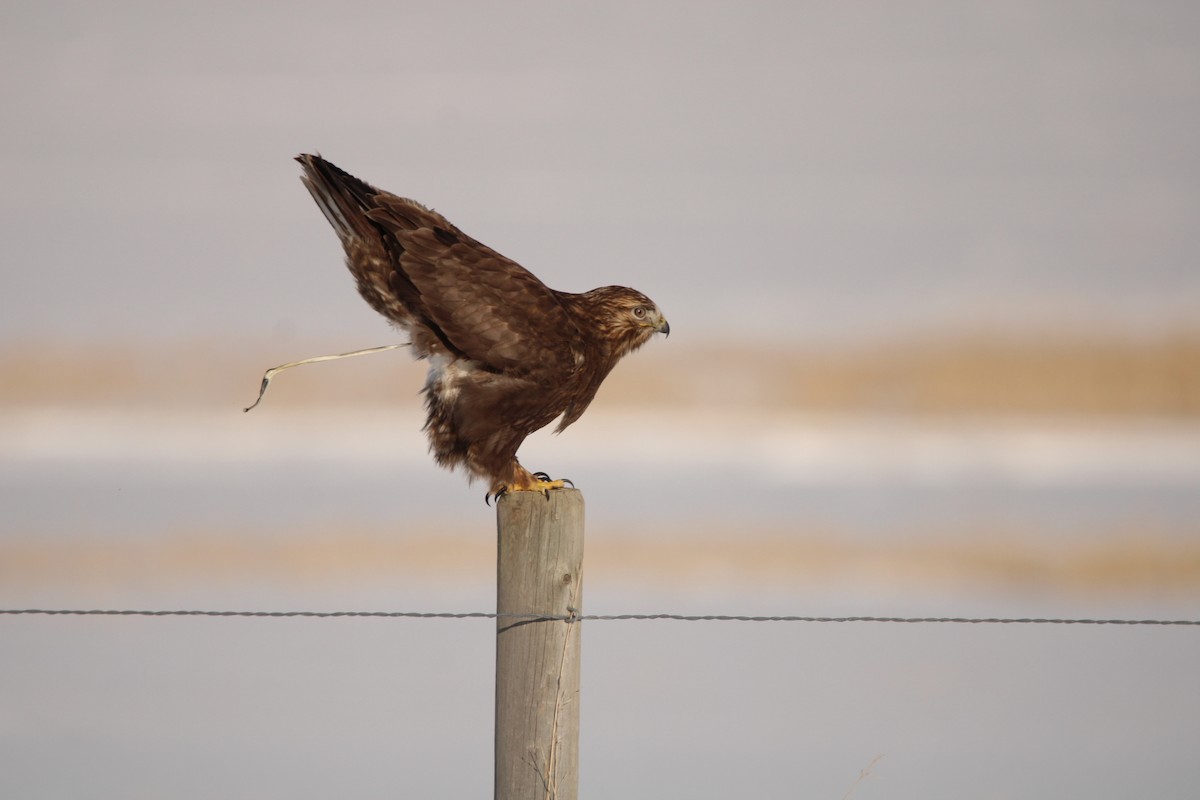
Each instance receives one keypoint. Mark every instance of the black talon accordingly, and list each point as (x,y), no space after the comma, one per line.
(543,476)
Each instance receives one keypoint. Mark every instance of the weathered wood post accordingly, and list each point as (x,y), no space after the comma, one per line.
(539,570)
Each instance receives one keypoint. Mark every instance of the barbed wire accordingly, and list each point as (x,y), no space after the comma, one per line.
(101,612)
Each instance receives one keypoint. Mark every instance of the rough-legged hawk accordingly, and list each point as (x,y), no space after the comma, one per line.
(507,354)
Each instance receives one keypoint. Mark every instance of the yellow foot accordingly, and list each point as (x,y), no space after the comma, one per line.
(538,482)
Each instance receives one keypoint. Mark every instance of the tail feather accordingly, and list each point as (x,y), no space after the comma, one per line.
(342,198)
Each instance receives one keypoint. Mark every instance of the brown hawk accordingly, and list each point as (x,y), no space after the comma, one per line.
(507,354)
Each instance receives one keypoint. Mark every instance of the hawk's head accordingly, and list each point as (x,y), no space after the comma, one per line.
(624,317)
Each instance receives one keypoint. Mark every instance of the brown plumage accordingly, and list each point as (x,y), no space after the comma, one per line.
(507,354)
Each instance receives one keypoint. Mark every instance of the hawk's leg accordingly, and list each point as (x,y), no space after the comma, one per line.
(526,481)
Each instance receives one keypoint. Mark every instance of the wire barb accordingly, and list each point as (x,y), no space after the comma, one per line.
(573,616)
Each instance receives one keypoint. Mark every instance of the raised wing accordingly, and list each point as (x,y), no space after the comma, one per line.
(450,291)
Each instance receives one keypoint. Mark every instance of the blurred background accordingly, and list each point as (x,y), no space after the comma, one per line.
(931,275)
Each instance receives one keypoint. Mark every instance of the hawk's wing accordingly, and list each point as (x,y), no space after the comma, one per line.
(450,291)
(487,306)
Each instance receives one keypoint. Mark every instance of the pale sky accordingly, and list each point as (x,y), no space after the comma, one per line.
(808,170)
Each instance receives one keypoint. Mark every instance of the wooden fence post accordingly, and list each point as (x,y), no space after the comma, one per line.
(539,570)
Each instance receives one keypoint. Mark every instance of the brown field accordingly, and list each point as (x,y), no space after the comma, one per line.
(1141,561)
(1053,375)
(994,377)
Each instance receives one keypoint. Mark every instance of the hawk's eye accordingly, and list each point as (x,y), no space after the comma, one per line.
(639,312)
